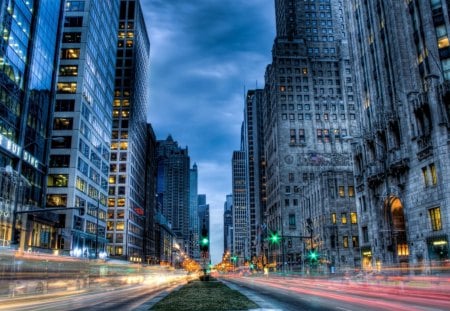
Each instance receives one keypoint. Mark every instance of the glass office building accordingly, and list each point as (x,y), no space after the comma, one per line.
(79,160)
(28,48)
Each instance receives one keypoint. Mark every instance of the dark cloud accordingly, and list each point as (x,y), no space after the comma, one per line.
(204,55)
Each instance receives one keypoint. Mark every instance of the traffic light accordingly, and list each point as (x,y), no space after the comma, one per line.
(16,237)
(204,240)
(313,255)
(274,238)
(290,243)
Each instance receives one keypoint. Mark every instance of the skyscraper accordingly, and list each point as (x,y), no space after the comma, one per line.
(28,54)
(254,150)
(309,107)
(241,221)
(79,161)
(194,228)
(203,217)
(228,224)
(173,187)
(126,199)
(402,57)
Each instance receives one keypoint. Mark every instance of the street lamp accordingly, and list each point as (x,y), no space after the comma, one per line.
(19,174)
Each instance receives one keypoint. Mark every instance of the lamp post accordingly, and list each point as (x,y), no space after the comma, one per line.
(96,226)
(19,184)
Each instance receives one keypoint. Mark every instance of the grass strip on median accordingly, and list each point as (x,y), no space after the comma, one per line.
(205,296)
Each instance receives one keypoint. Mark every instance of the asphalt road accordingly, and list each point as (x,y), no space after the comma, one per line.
(136,297)
(302,294)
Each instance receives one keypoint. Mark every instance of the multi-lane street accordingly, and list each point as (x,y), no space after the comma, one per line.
(123,298)
(295,293)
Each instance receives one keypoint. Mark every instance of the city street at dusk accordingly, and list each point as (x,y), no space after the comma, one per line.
(225,155)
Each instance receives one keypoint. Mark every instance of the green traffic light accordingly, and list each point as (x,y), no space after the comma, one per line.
(274,238)
(204,241)
(313,255)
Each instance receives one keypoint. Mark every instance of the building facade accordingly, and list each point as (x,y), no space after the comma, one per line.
(329,207)
(194,228)
(241,219)
(150,241)
(203,218)
(126,197)
(228,224)
(29,57)
(173,188)
(309,106)
(401,149)
(79,160)
(254,149)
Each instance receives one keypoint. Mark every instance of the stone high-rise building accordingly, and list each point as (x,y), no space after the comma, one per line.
(126,197)
(309,107)
(402,61)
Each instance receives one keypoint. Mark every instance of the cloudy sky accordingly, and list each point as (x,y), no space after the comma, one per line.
(205,54)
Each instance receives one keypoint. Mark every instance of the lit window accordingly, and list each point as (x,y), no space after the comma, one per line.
(433,174)
(435,218)
(425,176)
(341,191)
(70,53)
(333,218)
(402,249)
(353,218)
(67,87)
(57,200)
(351,191)
(57,180)
(344,218)
(120,225)
(345,241)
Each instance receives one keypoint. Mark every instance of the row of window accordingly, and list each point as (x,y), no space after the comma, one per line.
(306,98)
(318,116)
(344,218)
(318,107)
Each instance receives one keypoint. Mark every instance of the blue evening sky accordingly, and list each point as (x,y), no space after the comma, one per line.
(204,55)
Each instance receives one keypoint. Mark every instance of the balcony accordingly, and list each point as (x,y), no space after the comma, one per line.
(375,174)
(398,160)
(425,147)
(420,101)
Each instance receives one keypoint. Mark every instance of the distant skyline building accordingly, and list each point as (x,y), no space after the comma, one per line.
(151,256)
(126,197)
(173,187)
(29,58)
(401,150)
(194,251)
(203,217)
(241,219)
(309,107)
(254,149)
(79,161)
(228,224)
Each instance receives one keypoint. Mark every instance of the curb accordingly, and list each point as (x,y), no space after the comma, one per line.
(260,301)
